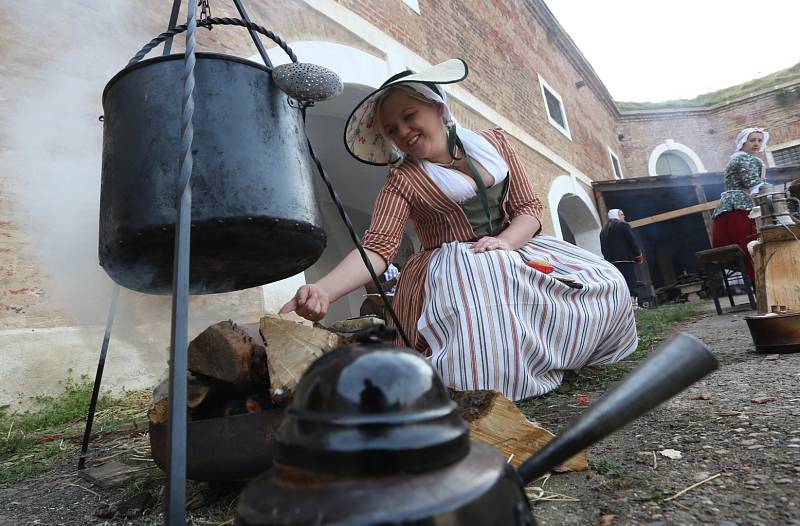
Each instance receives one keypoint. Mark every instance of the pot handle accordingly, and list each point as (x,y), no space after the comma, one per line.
(214,21)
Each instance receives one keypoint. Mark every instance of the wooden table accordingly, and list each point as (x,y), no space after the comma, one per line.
(776,261)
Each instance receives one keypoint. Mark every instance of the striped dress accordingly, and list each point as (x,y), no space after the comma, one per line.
(488,321)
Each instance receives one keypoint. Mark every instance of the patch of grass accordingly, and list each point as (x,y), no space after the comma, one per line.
(725,94)
(151,481)
(652,324)
(609,467)
(31,439)
(654,493)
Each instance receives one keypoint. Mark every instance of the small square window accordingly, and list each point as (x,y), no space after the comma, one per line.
(787,156)
(413,4)
(556,114)
(554,107)
(616,167)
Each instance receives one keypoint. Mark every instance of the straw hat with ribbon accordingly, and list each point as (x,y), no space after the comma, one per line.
(363,139)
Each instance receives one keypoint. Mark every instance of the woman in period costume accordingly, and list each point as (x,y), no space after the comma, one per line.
(743,176)
(619,246)
(468,299)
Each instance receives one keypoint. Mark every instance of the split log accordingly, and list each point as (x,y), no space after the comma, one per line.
(291,347)
(495,420)
(231,354)
(354,325)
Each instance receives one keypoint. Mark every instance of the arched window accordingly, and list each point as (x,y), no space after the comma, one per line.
(670,163)
(674,158)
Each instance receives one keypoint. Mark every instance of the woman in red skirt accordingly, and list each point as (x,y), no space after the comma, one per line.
(743,175)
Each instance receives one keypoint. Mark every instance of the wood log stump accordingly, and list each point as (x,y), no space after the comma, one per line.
(495,420)
(291,347)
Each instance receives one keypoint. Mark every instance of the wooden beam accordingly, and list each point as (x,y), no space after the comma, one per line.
(601,207)
(673,214)
(775,175)
(658,182)
(707,219)
(780,233)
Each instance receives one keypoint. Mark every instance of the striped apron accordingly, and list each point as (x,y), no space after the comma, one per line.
(492,322)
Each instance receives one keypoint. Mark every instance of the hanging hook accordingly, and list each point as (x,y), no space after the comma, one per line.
(205,14)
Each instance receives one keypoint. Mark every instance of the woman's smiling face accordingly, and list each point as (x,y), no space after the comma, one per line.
(414,126)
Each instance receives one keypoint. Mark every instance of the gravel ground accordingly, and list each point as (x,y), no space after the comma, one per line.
(755,448)
(747,453)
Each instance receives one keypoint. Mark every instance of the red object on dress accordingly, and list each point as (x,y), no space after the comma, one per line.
(541,266)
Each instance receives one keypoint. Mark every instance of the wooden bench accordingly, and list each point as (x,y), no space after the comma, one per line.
(724,262)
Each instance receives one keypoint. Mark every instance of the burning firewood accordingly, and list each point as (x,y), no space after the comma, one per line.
(231,354)
(206,397)
(227,375)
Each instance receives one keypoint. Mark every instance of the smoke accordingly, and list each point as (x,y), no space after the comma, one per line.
(51,157)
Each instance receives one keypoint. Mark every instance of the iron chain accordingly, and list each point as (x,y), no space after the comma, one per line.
(205,14)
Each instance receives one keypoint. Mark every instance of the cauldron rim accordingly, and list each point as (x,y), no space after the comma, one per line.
(179,56)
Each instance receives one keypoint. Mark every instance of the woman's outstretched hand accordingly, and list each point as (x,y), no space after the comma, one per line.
(310,301)
(488,243)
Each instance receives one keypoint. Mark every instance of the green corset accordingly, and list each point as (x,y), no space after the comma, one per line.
(477,216)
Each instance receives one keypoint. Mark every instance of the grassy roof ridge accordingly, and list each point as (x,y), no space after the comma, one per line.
(721,95)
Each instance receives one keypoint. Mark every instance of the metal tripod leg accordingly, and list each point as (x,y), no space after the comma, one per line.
(98,377)
(176,482)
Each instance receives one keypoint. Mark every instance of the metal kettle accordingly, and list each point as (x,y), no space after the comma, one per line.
(775,208)
(372,438)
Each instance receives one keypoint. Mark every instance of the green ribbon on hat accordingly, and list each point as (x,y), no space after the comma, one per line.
(454,144)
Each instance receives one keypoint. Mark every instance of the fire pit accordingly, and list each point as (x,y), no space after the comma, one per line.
(223,449)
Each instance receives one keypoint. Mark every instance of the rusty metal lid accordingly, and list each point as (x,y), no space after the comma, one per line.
(367,410)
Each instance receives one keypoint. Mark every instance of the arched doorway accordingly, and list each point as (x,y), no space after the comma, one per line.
(574,216)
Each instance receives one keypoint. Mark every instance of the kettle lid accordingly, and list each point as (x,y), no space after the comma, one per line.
(370,410)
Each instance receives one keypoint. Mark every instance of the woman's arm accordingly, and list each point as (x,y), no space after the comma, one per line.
(381,241)
(524,205)
(312,301)
(522,198)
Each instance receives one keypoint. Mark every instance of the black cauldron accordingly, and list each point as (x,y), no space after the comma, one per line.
(254,214)
(372,438)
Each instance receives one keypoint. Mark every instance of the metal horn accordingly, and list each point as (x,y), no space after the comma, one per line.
(307,83)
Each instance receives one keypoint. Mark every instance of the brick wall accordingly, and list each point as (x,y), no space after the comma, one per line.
(709,132)
(507,48)
(83,56)
(506,43)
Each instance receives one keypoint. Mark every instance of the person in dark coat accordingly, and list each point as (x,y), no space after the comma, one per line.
(621,249)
